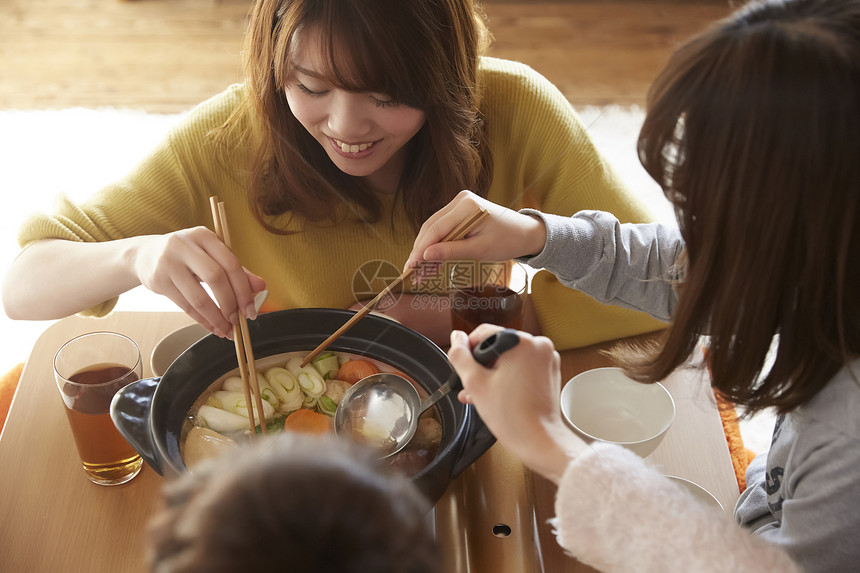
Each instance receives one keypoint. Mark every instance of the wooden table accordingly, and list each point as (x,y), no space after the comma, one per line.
(497,493)
(52,518)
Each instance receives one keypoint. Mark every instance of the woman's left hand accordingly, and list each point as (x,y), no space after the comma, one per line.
(506,234)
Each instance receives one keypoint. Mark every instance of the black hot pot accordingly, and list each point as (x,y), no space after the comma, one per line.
(150,413)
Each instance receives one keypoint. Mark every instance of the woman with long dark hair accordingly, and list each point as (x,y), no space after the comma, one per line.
(752,131)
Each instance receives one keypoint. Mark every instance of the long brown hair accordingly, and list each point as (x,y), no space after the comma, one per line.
(753,132)
(422,53)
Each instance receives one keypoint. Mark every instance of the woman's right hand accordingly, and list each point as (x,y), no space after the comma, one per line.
(518,399)
(175,265)
(505,234)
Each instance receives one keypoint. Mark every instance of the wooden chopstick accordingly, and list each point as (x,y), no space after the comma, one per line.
(456,234)
(241,336)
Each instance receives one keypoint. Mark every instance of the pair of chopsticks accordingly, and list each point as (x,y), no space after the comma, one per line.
(456,234)
(241,336)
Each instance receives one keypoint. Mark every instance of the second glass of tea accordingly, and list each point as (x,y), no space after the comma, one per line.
(89,370)
(487,292)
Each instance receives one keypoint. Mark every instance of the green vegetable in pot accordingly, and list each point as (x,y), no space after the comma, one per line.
(326,364)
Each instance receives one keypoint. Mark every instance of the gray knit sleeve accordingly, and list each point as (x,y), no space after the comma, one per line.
(628,265)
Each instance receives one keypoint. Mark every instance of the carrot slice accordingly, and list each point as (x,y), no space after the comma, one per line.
(354,370)
(307,422)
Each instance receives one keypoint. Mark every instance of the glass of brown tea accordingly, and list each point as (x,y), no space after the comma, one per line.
(89,370)
(491,292)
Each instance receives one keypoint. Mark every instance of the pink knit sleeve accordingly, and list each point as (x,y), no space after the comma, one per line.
(615,513)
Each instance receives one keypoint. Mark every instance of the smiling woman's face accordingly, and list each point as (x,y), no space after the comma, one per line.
(364,134)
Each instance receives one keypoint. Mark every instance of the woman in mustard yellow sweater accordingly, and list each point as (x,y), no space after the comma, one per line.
(354,125)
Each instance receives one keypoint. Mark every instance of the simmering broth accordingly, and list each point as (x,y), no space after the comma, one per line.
(222,412)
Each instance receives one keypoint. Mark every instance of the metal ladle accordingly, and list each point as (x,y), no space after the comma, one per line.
(382,410)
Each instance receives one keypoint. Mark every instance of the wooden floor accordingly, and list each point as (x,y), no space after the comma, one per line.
(167,55)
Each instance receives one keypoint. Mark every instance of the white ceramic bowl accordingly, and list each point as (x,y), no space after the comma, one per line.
(605,405)
(171,346)
(698,492)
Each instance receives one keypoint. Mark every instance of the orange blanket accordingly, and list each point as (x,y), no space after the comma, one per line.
(8,385)
(741,456)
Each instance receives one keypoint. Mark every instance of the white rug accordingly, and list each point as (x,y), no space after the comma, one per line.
(73,151)
(76,151)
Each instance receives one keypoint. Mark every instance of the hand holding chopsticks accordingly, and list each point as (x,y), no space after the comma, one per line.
(456,234)
(241,336)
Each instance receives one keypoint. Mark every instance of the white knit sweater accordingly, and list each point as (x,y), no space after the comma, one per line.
(616,513)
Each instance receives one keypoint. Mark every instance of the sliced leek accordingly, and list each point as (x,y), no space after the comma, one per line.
(235,402)
(235,384)
(326,405)
(310,402)
(326,364)
(286,387)
(220,420)
(310,380)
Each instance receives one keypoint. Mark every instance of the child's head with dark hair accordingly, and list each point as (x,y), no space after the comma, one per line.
(293,503)
(753,132)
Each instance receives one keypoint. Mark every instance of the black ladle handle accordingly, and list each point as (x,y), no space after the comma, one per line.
(493,346)
(487,352)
